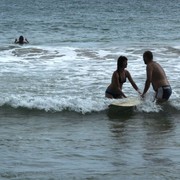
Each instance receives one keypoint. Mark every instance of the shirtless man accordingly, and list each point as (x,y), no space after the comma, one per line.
(156,76)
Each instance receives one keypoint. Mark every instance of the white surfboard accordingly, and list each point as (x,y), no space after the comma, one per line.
(126,102)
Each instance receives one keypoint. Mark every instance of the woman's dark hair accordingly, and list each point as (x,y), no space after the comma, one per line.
(120,62)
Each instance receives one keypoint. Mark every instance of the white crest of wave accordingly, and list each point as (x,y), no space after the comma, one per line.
(149,106)
(77,104)
(56,104)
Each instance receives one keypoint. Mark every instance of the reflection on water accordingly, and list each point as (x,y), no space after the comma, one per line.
(157,145)
(144,141)
(120,113)
(92,146)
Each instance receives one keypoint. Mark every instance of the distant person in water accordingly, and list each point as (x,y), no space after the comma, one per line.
(157,77)
(21,40)
(114,90)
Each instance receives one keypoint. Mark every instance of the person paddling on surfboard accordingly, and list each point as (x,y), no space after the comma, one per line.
(21,40)
(157,77)
(114,90)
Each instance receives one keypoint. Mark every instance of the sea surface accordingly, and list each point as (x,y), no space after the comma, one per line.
(55,122)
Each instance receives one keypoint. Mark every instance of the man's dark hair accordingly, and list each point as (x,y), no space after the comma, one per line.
(148,55)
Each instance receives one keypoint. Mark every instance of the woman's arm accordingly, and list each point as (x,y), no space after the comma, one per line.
(128,75)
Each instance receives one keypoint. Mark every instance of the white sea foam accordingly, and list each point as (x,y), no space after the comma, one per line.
(56,104)
(78,104)
(73,78)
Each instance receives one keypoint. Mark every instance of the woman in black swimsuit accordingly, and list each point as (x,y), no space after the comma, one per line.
(119,76)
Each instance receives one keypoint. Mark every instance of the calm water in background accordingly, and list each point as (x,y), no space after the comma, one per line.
(54,120)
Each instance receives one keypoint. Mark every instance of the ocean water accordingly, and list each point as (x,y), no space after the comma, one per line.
(55,122)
